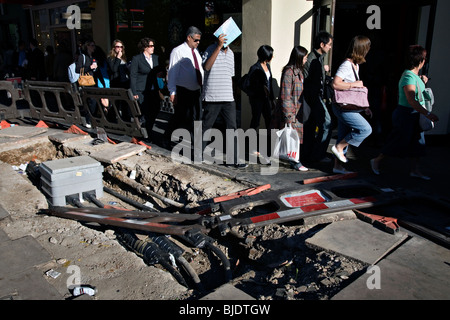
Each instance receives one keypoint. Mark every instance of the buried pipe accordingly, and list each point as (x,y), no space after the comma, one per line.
(171,248)
(128,200)
(130,182)
(159,242)
(151,253)
(199,240)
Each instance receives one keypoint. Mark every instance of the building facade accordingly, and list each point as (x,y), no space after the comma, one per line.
(391,25)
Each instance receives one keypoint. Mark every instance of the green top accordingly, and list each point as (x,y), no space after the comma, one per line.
(410,78)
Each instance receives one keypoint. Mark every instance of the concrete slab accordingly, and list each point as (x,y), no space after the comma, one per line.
(20,255)
(27,285)
(419,269)
(63,137)
(227,292)
(350,238)
(3,212)
(114,153)
(3,236)
(21,132)
(12,185)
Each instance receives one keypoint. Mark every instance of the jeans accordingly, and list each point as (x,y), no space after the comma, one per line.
(315,144)
(351,126)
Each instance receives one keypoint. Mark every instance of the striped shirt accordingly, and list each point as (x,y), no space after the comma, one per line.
(218,85)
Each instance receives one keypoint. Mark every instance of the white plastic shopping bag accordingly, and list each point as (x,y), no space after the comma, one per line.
(287,146)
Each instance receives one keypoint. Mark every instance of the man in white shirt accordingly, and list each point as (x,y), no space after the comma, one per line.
(185,80)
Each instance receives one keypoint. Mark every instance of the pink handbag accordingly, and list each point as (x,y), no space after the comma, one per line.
(353,99)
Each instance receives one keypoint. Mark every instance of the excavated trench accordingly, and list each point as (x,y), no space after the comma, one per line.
(270,262)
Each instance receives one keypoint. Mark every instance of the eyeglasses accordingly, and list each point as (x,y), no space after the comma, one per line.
(151,46)
(118,46)
(195,40)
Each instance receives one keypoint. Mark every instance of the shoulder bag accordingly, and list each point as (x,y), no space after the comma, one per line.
(85,80)
(353,99)
(425,123)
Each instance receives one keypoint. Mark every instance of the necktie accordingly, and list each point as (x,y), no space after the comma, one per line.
(197,69)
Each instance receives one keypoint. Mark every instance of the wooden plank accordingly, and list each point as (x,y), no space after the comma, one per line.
(114,153)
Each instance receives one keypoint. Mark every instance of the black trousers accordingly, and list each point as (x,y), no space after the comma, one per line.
(260,106)
(227,110)
(150,108)
(187,110)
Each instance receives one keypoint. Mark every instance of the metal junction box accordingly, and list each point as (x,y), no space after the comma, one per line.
(71,176)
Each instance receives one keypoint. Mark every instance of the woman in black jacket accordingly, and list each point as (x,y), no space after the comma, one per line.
(260,90)
(118,69)
(144,84)
(86,59)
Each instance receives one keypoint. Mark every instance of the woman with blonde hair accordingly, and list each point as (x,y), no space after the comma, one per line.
(117,63)
(353,128)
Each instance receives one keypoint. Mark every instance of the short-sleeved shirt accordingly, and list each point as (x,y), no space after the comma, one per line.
(345,72)
(410,78)
(218,86)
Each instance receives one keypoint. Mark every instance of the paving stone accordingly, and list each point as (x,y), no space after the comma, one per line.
(21,254)
(114,153)
(21,132)
(228,292)
(357,240)
(27,285)
(419,269)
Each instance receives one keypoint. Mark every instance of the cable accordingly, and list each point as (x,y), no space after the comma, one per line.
(151,253)
(74,200)
(118,175)
(200,240)
(128,200)
(165,244)
(153,248)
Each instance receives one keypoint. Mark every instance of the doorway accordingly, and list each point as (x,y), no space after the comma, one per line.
(402,23)
(63,38)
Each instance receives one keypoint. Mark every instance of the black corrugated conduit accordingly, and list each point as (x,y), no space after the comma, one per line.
(150,252)
(168,246)
(199,240)
(157,244)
